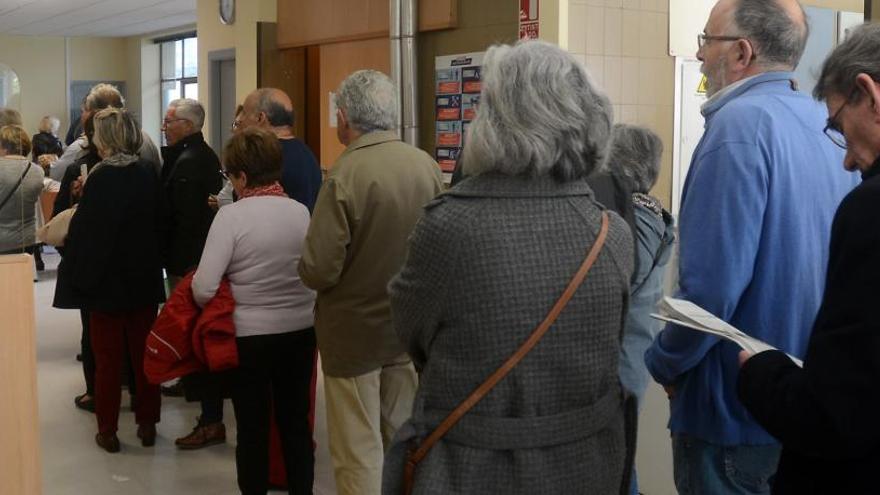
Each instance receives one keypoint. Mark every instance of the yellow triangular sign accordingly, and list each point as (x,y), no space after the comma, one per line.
(704,83)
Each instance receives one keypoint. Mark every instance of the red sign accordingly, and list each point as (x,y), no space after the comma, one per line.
(528,10)
(528,19)
(528,31)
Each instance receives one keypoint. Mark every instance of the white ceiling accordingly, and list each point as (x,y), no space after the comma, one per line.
(94,17)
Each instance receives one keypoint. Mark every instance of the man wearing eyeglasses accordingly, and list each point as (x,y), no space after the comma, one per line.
(825,414)
(190,175)
(755,219)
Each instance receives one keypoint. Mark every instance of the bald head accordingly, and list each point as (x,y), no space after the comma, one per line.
(270,106)
(777,29)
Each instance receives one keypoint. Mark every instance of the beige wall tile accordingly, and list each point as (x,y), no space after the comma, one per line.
(631,81)
(594,23)
(632,4)
(629,114)
(656,81)
(614,3)
(577,28)
(596,69)
(653,40)
(613,32)
(613,78)
(629,33)
(595,3)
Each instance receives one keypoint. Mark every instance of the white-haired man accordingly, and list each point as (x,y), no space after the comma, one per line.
(754,229)
(356,242)
(191,173)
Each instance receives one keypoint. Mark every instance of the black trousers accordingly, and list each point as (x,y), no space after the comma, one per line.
(274,369)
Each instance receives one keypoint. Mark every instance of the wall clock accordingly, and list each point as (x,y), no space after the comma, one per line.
(227,11)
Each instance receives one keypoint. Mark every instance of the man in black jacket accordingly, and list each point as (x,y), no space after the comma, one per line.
(825,414)
(191,173)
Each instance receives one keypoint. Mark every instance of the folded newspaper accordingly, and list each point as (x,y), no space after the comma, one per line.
(688,314)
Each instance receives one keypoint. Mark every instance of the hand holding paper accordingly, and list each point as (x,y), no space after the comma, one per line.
(688,314)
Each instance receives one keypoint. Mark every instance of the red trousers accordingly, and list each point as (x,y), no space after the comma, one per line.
(111,333)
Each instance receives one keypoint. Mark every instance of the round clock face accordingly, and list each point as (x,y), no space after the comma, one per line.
(227,11)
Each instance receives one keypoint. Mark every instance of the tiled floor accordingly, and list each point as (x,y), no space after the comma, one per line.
(73,464)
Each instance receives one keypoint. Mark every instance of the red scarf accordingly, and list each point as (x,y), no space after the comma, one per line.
(273,189)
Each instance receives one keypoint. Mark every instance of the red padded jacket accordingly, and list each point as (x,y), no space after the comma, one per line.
(186,338)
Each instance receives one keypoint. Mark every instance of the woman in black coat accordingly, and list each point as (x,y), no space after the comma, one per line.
(112,265)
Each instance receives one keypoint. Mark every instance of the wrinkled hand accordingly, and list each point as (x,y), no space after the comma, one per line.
(76,188)
(212,202)
(743,357)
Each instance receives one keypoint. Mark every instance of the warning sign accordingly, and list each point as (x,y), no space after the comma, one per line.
(704,86)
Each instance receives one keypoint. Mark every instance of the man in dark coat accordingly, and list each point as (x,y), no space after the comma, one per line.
(825,413)
(190,174)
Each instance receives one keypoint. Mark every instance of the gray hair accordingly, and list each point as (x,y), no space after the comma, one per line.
(539,115)
(189,109)
(369,100)
(778,39)
(50,123)
(9,116)
(635,156)
(857,55)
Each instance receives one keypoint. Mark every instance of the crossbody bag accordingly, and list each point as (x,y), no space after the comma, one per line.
(417,454)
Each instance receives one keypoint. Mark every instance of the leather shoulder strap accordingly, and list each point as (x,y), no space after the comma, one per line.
(511,362)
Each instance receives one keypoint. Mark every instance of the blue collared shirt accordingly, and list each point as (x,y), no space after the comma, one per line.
(755,223)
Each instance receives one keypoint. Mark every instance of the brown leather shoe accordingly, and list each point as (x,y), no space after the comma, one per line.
(203,436)
(147,434)
(108,442)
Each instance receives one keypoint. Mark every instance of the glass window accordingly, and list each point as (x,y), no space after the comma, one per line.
(179,61)
(191,57)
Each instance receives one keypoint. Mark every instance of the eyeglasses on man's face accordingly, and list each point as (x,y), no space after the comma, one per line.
(166,122)
(703,39)
(236,124)
(833,129)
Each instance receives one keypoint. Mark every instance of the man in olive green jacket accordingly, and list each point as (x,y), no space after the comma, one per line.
(356,243)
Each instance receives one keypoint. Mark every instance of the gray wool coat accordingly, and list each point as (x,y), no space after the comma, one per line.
(486,262)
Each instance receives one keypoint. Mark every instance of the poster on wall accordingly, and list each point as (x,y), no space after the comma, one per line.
(529,19)
(457,86)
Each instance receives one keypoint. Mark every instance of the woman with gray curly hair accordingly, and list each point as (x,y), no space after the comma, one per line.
(486,263)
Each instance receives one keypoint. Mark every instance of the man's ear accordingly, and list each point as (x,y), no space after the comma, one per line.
(870,88)
(746,53)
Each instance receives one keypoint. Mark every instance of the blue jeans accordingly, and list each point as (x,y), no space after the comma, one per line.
(702,468)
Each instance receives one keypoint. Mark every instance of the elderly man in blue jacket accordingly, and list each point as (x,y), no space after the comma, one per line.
(755,219)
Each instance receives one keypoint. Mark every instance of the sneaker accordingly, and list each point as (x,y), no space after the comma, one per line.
(203,436)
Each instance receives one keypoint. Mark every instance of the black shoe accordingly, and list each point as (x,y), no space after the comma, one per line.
(175,390)
(81,402)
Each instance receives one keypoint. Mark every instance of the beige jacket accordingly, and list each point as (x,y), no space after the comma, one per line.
(356,243)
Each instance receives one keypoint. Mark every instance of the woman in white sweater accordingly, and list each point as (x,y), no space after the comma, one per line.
(257,242)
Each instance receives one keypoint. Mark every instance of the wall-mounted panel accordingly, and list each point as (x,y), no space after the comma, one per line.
(307,22)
